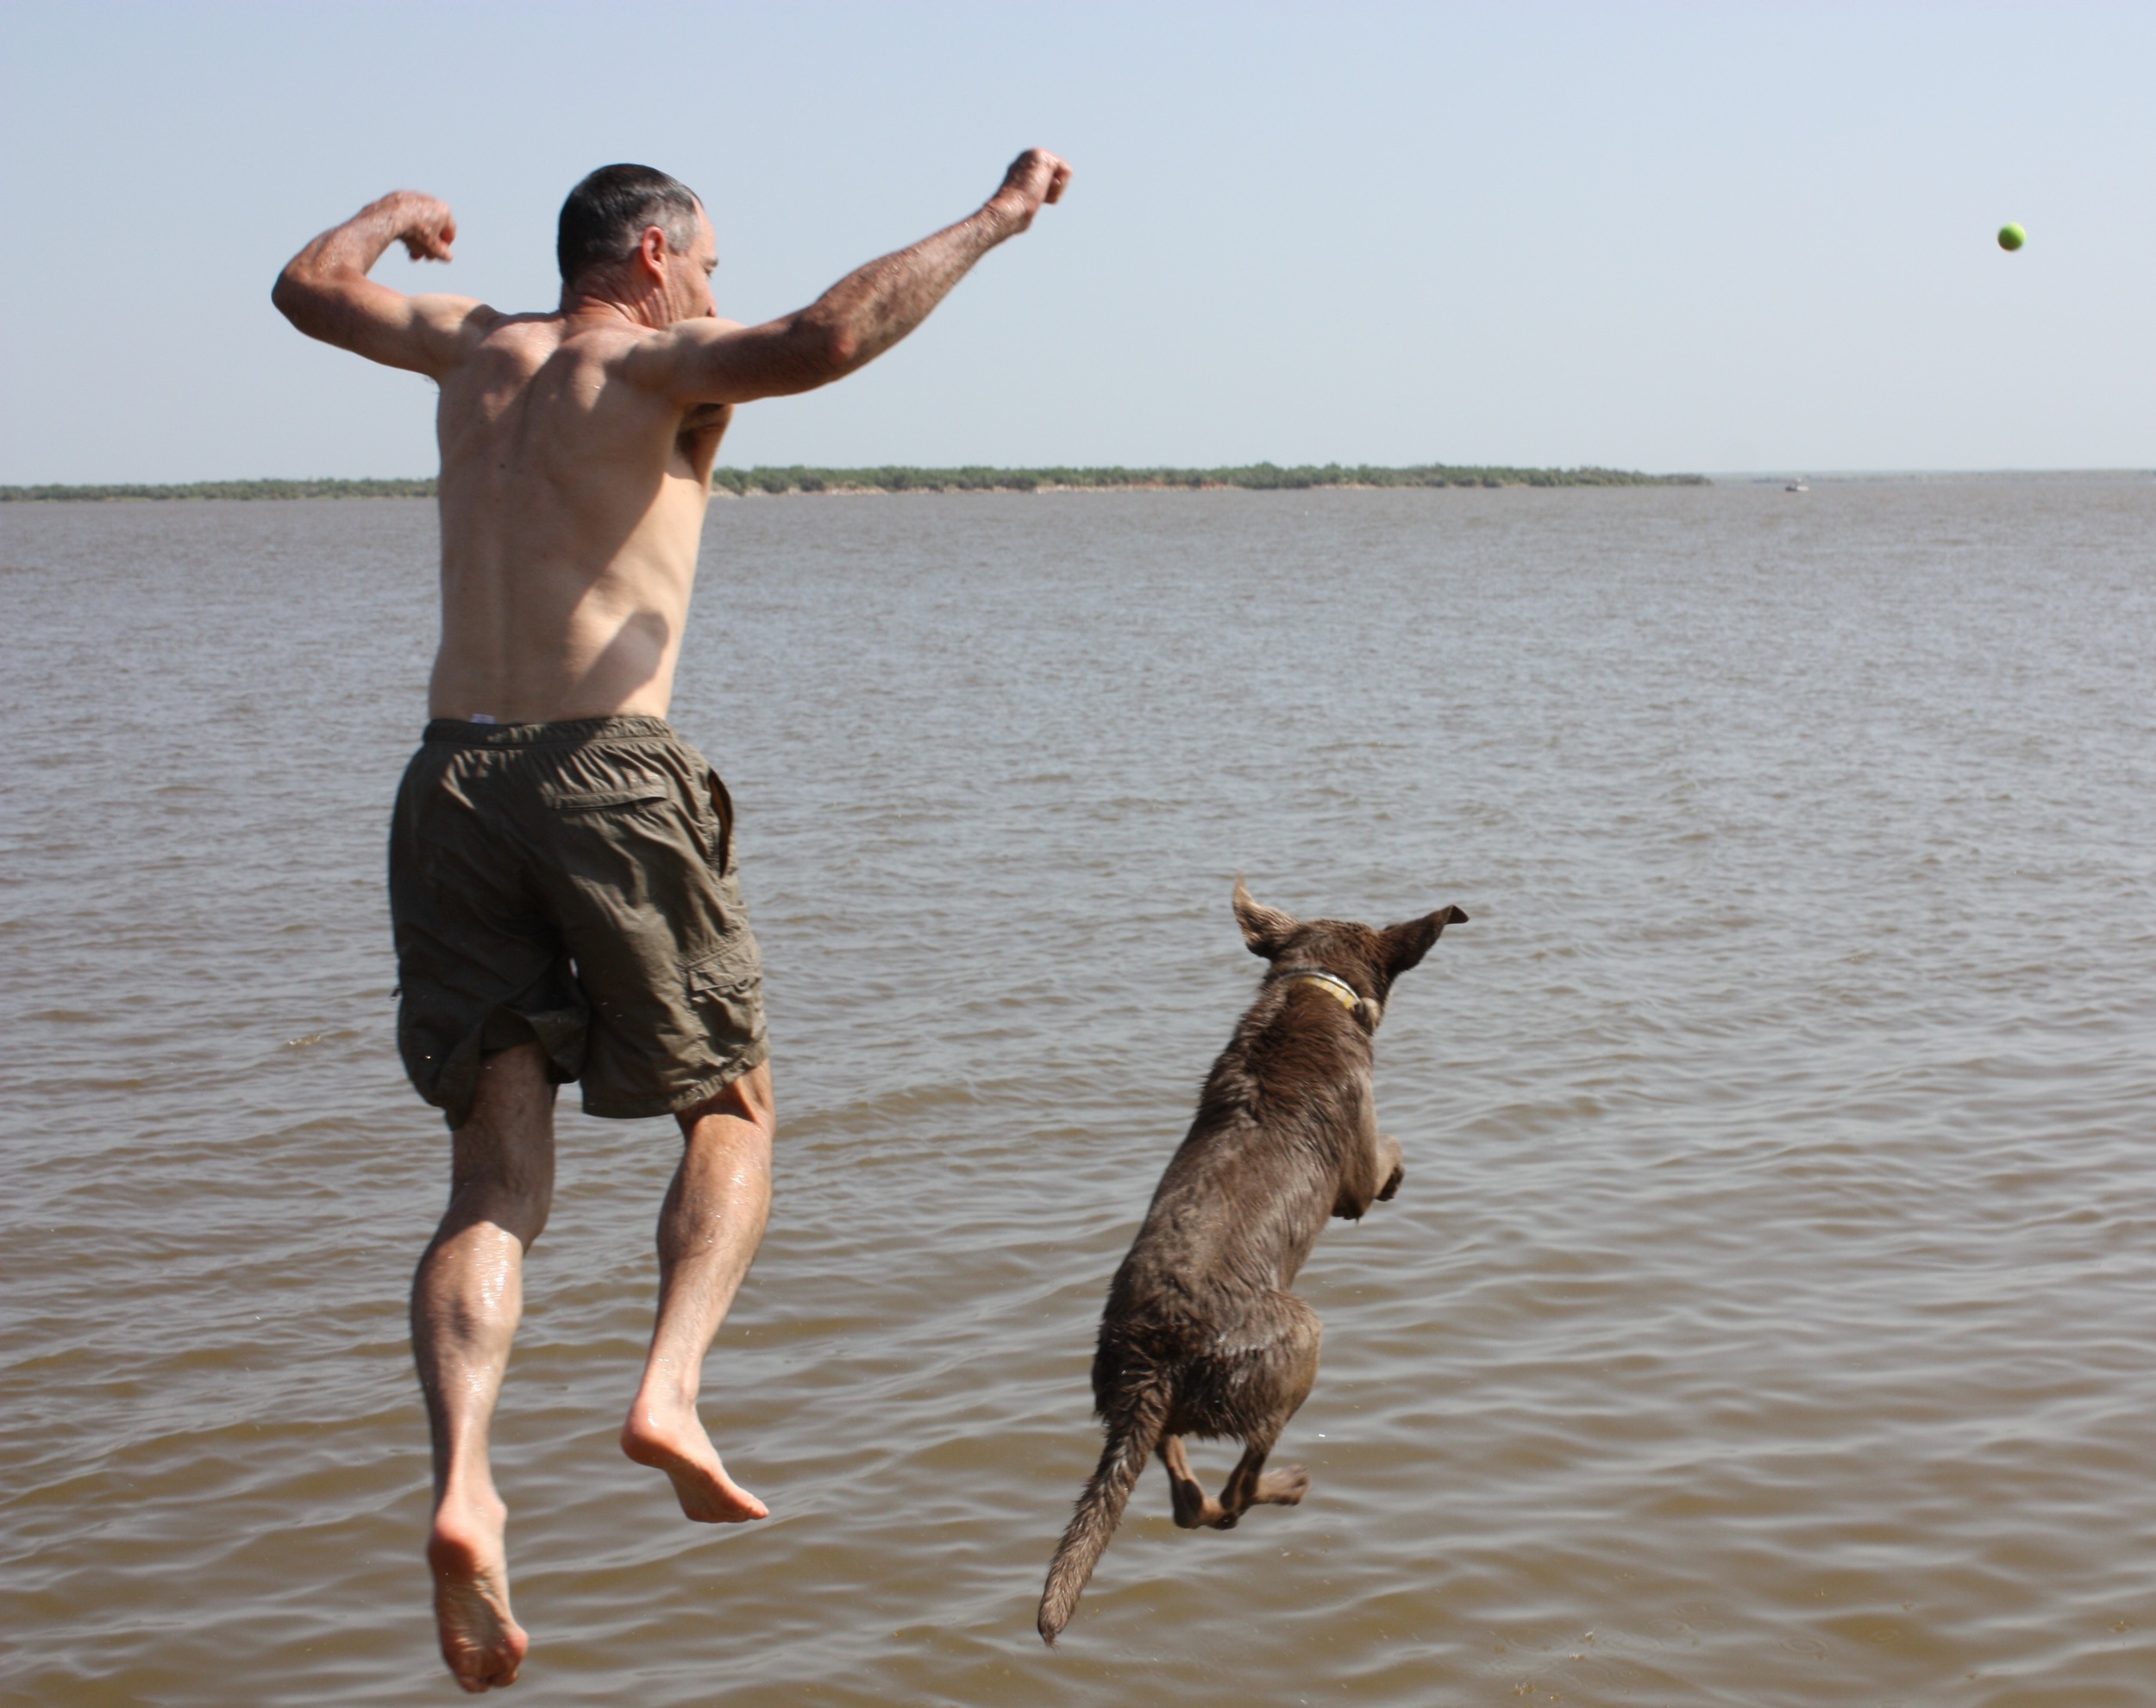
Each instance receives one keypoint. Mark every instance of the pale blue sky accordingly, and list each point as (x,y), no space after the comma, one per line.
(1665,237)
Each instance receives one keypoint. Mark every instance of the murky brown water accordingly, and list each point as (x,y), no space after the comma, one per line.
(1769,1316)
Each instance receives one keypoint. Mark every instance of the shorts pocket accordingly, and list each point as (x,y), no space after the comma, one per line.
(594,800)
(734,968)
(723,814)
(725,989)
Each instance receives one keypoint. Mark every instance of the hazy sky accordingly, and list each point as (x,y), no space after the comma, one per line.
(1697,237)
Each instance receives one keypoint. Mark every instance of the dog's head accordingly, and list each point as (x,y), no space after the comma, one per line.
(1366,957)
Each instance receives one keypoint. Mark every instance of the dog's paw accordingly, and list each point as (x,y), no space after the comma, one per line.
(1283,1487)
(1392,1183)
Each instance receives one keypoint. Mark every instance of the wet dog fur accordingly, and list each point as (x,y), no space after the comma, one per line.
(1200,1335)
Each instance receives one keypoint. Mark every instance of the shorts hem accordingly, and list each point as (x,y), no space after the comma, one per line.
(642,1109)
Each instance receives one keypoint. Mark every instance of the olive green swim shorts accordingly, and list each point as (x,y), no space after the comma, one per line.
(571,884)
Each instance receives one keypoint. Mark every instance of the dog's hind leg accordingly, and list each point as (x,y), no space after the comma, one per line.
(1193,1506)
(1251,1484)
(1290,1372)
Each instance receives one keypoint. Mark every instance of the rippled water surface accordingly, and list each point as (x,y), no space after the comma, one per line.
(1769,1316)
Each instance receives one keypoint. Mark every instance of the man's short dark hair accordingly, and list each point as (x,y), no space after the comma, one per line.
(605,218)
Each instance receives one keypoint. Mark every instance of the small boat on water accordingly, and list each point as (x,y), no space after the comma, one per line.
(1797,486)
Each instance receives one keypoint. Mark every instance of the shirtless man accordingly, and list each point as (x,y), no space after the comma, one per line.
(561,873)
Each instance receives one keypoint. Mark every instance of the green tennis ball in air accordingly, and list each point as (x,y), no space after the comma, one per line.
(2011,237)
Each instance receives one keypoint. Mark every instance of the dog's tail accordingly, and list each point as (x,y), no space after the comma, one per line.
(1134,1430)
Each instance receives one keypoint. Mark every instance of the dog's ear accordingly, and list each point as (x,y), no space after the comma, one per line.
(1266,929)
(1406,944)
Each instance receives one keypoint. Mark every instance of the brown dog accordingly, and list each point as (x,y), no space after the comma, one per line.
(1200,1335)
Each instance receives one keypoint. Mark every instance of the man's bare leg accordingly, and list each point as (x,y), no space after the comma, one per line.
(466,1301)
(709,1228)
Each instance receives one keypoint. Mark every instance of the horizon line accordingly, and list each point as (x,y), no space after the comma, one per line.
(808,480)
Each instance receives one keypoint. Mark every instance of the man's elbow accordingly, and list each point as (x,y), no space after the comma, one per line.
(292,299)
(837,354)
(313,305)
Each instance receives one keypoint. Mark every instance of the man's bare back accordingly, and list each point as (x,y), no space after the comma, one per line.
(562,883)
(577,446)
(572,506)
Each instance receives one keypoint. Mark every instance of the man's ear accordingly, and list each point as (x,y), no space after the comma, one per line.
(1266,929)
(1406,944)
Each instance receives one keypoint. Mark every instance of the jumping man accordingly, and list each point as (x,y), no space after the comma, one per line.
(561,865)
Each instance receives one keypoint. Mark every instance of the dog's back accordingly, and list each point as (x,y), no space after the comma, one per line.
(1200,1335)
(1247,1194)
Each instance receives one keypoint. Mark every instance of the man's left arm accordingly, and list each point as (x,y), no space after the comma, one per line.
(713,361)
(325,292)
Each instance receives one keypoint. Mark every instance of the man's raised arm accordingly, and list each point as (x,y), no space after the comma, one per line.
(709,361)
(325,292)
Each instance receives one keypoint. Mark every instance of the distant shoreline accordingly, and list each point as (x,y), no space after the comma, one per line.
(743,483)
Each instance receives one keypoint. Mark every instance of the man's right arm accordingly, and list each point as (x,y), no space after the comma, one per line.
(325,292)
(710,361)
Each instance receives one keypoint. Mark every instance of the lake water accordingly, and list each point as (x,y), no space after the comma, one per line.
(1769,1313)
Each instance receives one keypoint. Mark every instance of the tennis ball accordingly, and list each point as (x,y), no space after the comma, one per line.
(2011,237)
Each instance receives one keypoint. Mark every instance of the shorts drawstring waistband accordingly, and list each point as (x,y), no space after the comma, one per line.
(460,732)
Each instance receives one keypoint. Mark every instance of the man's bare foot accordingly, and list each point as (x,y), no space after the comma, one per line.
(674,1442)
(481,1641)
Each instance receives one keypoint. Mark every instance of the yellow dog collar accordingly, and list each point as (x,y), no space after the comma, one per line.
(1338,988)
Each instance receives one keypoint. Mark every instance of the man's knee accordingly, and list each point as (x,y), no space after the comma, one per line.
(516,1198)
(502,1157)
(748,1098)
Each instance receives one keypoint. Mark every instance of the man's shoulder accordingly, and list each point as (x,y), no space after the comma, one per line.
(521,332)
(536,360)
(516,347)
(616,349)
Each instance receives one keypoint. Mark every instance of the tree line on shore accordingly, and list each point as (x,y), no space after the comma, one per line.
(1250,476)
(222,489)
(746,482)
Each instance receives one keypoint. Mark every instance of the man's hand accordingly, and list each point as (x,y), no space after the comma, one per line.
(424,224)
(1036,178)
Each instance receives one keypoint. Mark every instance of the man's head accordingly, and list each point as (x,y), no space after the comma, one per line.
(631,232)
